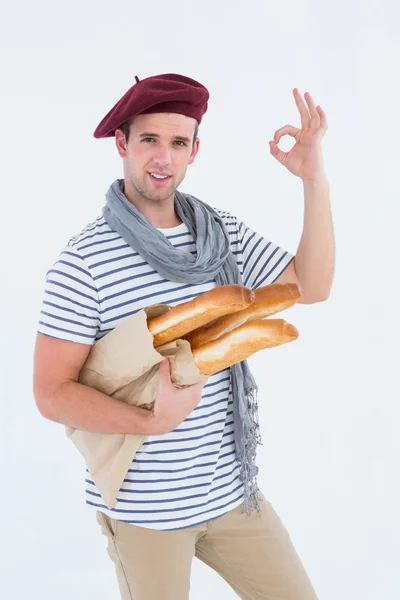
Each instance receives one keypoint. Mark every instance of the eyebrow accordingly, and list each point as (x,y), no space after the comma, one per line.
(176,137)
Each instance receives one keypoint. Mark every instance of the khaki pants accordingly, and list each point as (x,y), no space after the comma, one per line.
(253,554)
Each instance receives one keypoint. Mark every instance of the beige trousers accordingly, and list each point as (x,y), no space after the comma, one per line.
(253,554)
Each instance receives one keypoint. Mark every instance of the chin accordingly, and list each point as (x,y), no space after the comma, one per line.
(160,196)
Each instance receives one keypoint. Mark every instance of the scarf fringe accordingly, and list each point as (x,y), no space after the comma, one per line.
(250,438)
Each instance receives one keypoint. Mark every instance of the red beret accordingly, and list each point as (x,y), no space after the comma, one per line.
(160,93)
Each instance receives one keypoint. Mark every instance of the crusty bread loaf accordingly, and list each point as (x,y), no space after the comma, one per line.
(193,314)
(268,300)
(241,343)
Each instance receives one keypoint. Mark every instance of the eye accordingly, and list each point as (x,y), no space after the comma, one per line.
(180,142)
(148,138)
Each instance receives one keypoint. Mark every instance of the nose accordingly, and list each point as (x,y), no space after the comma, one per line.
(162,156)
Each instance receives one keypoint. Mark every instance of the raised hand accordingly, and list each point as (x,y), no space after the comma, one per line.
(305,158)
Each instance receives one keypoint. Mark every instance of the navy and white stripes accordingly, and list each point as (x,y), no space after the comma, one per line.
(189,475)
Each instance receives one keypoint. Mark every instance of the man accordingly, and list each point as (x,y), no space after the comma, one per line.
(184,493)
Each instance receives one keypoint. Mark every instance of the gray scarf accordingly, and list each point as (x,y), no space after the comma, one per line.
(213,260)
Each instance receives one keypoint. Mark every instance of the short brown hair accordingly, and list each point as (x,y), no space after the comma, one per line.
(126,129)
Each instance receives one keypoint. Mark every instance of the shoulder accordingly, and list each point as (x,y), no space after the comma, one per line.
(71,261)
(224,214)
(230,220)
(90,234)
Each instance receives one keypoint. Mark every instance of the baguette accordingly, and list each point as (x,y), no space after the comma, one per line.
(268,300)
(197,312)
(241,343)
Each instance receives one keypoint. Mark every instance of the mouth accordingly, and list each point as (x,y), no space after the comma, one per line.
(159,180)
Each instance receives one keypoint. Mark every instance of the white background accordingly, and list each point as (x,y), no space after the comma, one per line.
(329,402)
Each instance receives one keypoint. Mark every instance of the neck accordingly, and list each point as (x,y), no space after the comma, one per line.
(161,214)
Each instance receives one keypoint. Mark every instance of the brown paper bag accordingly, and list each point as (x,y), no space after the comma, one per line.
(124,365)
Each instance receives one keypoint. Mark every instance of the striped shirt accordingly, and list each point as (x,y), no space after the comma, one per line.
(189,475)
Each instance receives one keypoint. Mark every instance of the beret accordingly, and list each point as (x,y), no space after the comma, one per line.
(160,93)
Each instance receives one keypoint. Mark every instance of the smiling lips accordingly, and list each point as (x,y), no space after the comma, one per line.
(159,179)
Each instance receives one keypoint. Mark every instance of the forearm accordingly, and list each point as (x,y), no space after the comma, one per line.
(315,256)
(83,407)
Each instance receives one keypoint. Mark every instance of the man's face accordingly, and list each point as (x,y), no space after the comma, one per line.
(159,144)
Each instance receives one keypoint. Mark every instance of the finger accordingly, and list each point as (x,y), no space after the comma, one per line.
(286,130)
(315,119)
(200,384)
(277,153)
(165,371)
(323,119)
(305,115)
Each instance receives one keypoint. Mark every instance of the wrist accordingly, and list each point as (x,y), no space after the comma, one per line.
(320,181)
(144,421)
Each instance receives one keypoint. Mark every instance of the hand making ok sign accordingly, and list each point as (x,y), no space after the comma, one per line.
(305,158)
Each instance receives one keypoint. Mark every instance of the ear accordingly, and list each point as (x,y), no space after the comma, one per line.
(120,142)
(195,150)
